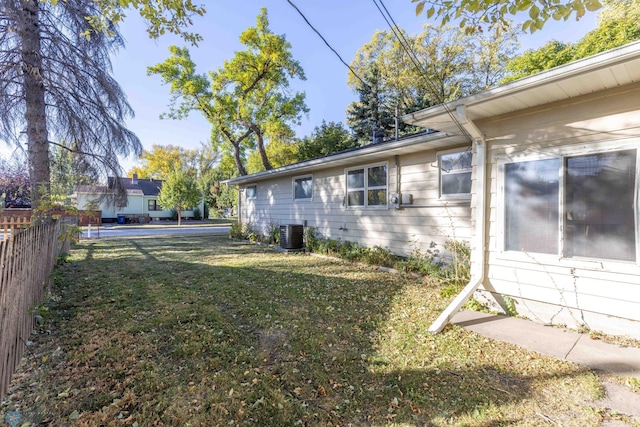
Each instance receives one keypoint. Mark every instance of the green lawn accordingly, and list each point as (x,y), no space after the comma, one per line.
(205,331)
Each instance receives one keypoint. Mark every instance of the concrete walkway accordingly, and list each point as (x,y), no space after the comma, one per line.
(567,345)
(557,342)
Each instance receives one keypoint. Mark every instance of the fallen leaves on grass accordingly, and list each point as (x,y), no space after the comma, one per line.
(207,331)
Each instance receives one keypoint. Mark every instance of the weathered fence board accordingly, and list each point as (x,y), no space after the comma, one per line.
(27,259)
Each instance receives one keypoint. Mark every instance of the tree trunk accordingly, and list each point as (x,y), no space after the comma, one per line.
(263,154)
(179,216)
(34,90)
(237,156)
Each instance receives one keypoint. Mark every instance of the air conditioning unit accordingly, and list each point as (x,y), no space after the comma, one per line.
(292,237)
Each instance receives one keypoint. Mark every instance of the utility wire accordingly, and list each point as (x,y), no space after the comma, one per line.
(328,45)
(414,59)
(365,84)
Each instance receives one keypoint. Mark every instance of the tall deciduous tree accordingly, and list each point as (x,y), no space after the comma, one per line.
(435,66)
(160,161)
(56,86)
(328,138)
(247,100)
(180,192)
(618,24)
(474,15)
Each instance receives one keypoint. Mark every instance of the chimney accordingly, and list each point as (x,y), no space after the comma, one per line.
(134,179)
(378,136)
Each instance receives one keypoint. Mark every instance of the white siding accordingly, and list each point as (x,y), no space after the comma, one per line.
(401,231)
(599,294)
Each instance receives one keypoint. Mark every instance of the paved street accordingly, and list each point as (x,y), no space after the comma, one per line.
(125,231)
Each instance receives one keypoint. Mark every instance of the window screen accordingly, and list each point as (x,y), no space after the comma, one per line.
(303,188)
(455,174)
(599,199)
(531,206)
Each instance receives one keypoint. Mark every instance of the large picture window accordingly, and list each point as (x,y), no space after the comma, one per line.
(455,174)
(367,187)
(573,205)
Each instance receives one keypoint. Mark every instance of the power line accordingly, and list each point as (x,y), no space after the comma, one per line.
(327,43)
(414,59)
(365,84)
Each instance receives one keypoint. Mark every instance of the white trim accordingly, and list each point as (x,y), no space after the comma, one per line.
(293,188)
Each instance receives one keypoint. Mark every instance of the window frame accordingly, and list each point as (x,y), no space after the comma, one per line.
(469,170)
(293,188)
(156,207)
(562,154)
(255,191)
(366,188)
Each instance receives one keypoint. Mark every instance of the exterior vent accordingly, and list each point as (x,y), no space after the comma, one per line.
(291,237)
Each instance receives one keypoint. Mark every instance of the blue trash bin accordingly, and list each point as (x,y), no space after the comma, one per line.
(121,219)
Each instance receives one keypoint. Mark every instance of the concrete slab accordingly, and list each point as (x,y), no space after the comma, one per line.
(552,341)
(620,400)
(606,357)
(548,340)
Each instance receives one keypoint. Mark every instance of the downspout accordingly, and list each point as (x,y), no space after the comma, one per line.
(240,191)
(478,270)
(397,158)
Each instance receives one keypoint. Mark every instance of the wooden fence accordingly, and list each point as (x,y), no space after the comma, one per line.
(27,259)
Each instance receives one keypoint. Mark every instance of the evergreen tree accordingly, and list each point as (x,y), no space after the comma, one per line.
(57,86)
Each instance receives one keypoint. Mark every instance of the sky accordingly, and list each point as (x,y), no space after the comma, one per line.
(346,24)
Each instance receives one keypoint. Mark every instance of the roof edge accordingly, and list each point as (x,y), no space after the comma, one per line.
(600,60)
(331,159)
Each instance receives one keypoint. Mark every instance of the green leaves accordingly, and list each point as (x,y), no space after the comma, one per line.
(475,14)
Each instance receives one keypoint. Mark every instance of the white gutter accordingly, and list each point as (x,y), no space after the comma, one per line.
(478,270)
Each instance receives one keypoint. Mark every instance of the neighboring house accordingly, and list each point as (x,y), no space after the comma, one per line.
(142,200)
(549,199)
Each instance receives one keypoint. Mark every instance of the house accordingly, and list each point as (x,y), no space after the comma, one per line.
(542,175)
(142,200)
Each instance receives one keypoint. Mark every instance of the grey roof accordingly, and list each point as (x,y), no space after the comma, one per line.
(148,187)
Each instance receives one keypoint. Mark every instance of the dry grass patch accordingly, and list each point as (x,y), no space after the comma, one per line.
(203,331)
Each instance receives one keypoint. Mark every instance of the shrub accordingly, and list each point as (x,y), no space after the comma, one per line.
(273,232)
(427,263)
(243,231)
(311,241)
(380,256)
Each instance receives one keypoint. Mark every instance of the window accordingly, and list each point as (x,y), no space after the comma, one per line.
(573,205)
(252,192)
(303,188)
(152,205)
(367,187)
(455,174)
